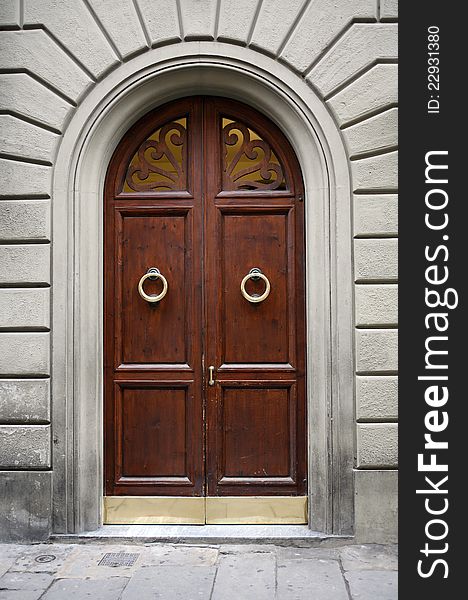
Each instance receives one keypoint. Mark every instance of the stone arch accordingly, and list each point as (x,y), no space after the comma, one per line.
(92,134)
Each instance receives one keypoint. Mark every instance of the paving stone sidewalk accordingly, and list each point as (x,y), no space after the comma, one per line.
(173,572)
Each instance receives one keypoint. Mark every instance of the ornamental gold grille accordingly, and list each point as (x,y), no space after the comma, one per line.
(249,162)
(160,163)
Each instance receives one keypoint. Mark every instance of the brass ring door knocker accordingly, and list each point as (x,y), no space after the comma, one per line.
(152,274)
(255,274)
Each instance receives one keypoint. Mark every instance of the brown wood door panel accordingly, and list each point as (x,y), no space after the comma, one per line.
(255,239)
(204,189)
(257,437)
(161,240)
(154,434)
(157,415)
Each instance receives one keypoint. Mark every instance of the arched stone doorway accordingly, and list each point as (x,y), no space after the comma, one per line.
(88,144)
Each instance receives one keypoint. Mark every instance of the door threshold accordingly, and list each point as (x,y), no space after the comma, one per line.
(279,535)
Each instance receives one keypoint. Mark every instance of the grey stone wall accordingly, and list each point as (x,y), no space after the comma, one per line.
(51,53)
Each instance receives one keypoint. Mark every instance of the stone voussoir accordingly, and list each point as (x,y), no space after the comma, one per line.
(10,14)
(23,140)
(236,18)
(37,52)
(24,96)
(326,20)
(198,18)
(161,20)
(357,49)
(75,27)
(273,24)
(373,91)
(122,24)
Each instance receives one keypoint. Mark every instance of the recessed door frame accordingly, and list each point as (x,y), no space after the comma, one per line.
(99,123)
(155,356)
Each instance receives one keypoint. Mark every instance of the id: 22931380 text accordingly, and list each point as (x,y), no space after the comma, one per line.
(433,69)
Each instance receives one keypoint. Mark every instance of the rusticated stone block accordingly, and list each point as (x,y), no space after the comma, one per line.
(388,9)
(24,446)
(375,134)
(376,305)
(24,354)
(377,173)
(376,350)
(25,264)
(376,506)
(377,445)
(23,179)
(25,505)
(9,13)
(24,400)
(376,260)
(376,215)
(24,220)
(24,308)
(376,397)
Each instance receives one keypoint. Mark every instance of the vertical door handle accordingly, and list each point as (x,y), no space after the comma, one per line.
(211,380)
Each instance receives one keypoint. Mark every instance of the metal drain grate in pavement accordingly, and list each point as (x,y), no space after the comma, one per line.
(118,559)
(45,558)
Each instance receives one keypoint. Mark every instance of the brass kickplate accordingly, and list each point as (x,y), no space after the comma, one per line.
(256,510)
(227,510)
(153,510)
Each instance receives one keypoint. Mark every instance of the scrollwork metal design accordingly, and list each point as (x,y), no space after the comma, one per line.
(259,158)
(150,153)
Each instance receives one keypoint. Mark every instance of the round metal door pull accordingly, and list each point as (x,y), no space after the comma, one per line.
(255,274)
(153,274)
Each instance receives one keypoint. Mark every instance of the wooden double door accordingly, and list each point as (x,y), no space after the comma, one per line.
(204,307)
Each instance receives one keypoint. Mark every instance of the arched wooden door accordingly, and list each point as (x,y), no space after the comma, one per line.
(204,320)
